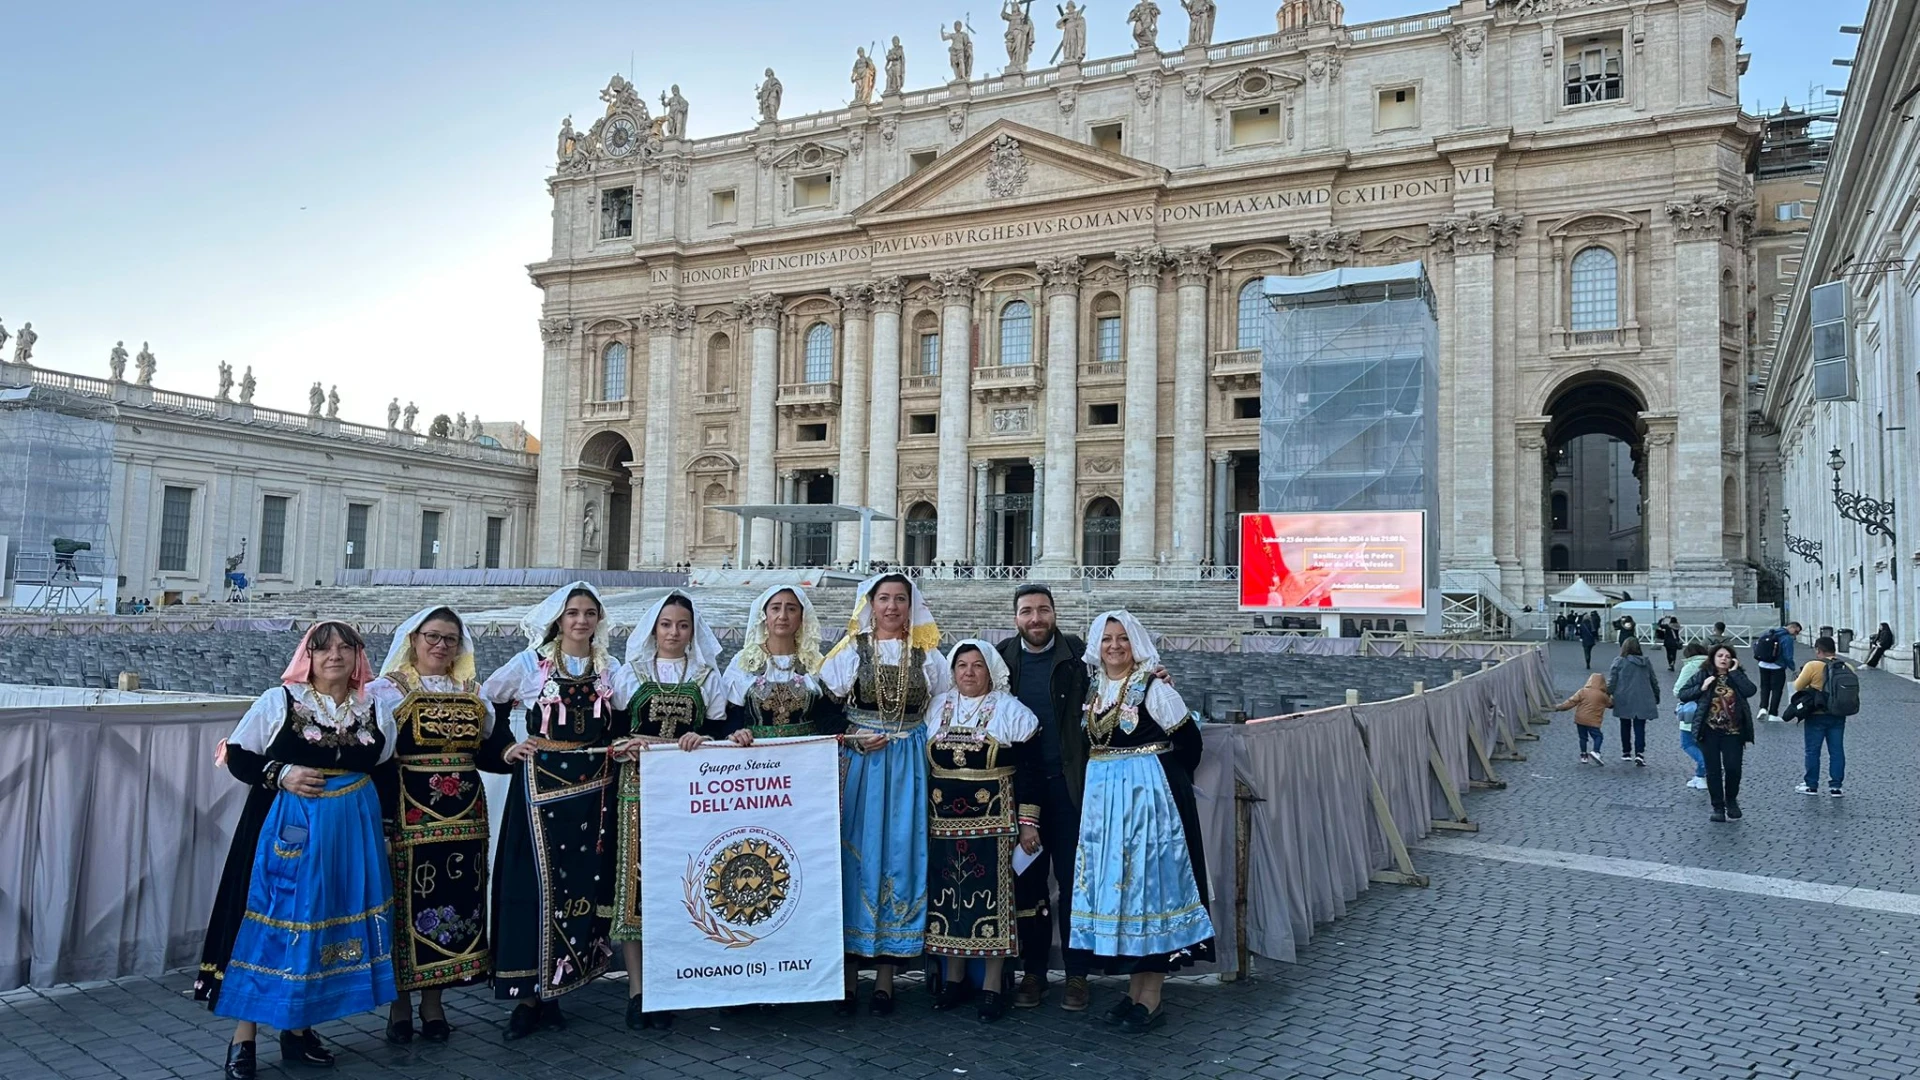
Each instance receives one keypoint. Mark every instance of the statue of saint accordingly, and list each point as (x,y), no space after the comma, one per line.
(3,329)
(144,365)
(316,400)
(569,141)
(959,51)
(117,361)
(225,392)
(460,427)
(620,96)
(393,414)
(247,386)
(23,344)
(333,403)
(1145,18)
(675,107)
(863,76)
(407,416)
(769,96)
(476,429)
(1199,21)
(1019,34)
(1073,33)
(589,530)
(896,73)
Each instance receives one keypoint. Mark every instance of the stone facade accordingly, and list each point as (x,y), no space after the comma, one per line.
(1008,310)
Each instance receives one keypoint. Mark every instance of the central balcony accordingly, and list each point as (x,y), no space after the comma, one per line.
(808,398)
(1006,382)
(1237,369)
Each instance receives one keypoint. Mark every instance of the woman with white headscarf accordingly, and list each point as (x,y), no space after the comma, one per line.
(1139,884)
(553,866)
(673,659)
(301,930)
(887,670)
(984,797)
(445,735)
(773,682)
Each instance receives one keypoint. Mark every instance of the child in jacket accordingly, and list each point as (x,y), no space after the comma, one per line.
(1589,704)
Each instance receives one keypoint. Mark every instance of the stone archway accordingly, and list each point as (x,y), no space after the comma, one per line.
(603,466)
(1593,497)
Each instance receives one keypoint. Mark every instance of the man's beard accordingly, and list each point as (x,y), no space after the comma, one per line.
(1044,636)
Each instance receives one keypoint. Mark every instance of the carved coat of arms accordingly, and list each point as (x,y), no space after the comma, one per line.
(1006,168)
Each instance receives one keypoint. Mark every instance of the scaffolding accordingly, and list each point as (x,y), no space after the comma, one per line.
(56,481)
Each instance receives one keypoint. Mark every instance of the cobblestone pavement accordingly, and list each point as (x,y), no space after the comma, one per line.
(1507,967)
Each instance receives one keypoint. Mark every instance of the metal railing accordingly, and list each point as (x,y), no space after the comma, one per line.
(1599,579)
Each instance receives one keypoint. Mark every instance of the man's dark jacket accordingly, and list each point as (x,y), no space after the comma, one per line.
(1069,685)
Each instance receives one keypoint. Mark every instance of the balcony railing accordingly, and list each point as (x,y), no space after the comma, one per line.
(605,410)
(995,380)
(1103,371)
(1617,337)
(1599,579)
(808,393)
(1237,362)
(722,399)
(920,384)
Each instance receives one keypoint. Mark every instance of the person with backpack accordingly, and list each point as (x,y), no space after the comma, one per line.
(1589,632)
(1688,711)
(1636,699)
(1723,726)
(1773,655)
(1668,631)
(1836,696)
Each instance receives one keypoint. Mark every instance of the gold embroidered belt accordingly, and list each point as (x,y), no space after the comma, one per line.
(1001,773)
(868,722)
(1114,753)
(556,744)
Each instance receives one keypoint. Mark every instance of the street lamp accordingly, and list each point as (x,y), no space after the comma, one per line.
(1809,550)
(1876,516)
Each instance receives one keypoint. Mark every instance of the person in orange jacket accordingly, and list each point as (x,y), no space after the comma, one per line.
(1589,704)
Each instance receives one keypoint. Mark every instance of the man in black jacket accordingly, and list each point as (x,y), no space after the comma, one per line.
(1049,676)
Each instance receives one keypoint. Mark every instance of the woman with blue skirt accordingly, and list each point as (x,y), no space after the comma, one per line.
(1139,876)
(887,670)
(302,929)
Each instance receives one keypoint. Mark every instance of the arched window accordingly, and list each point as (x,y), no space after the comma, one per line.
(1106,329)
(1100,533)
(1596,290)
(1730,508)
(1729,297)
(719,364)
(1558,558)
(1717,65)
(1560,511)
(819,366)
(1016,334)
(926,344)
(922,529)
(1253,314)
(613,372)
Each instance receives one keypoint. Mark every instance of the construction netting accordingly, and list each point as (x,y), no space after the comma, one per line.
(56,479)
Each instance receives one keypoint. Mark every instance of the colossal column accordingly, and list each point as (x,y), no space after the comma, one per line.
(1472,239)
(1192,268)
(856,342)
(956,336)
(1221,500)
(1062,277)
(665,324)
(982,491)
(883,456)
(558,394)
(763,314)
(1139,458)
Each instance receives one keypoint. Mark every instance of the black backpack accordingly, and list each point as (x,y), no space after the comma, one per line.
(1766,648)
(1843,689)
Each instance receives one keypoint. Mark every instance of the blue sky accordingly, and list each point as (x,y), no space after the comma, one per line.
(351,191)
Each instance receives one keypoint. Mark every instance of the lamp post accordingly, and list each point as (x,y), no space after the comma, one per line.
(1810,550)
(1873,514)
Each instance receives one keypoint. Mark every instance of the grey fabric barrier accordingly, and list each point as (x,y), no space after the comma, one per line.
(1213,791)
(1396,734)
(117,823)
(1449,718)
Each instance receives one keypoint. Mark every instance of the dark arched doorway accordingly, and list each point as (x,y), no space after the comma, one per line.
(922,528)
(603,462)
(1100,533)
(1594,502)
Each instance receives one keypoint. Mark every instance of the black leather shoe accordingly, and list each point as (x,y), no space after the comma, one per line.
(660,1021)
(845,1006)
(436,1029)
(400,1031)
(1733,810)
(952,995)
(1717,815)
(881,1004)
(993,1006)
(551,1018)
(636,1016)
(240,1060)
(1139,1019)
(1118,1012)
(304,1048)
(524,1021)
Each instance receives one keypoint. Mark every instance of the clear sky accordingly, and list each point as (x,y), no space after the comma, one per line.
(351,191)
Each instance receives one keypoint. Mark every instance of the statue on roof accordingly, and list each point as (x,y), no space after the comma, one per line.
(959,50)
(3,329)
(333,403)
(460,428)
(117,361)
(1073,33)
(621,97)
(569,142)
(247,386)
(393,414)
(408,415)
(316,400)
(23,344)
(675,107)
(863,76)
(769,98)
(144,365)
(1019,33)
(224,391)
(1199,21)
(896,68)
(1145,18)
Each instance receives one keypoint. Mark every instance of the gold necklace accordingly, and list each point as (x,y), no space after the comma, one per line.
(894,703)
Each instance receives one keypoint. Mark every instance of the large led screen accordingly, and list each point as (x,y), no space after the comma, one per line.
(1337,561)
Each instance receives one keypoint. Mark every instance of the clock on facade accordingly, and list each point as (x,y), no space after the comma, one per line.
(621,137)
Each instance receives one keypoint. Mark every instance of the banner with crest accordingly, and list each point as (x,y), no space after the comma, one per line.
(740,872)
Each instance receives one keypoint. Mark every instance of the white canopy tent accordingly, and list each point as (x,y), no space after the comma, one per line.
(1580,594)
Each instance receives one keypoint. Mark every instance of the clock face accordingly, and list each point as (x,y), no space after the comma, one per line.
(621,137)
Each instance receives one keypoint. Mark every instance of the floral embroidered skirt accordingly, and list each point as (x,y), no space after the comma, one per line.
(553,875)
(440,874)
(317,940)
(1136,897)
(883,846)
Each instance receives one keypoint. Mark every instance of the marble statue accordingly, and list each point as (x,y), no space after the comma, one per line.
(896,72)
(675,107)
(620,96)
(1073,33)
(863,76)
(589,530)
(959,51)
(407,415)
(569,141)
(23,344)
(333,403)
(393,414)
(460,428)
(117,361)
(145,364)
(1145,18)
(476,429)
(316,400)
(225,392)
(1019,33)
(247,386)
(769,96)
(3,329)
(1199,21)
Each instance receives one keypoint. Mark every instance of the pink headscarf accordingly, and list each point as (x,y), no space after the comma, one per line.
(300,670)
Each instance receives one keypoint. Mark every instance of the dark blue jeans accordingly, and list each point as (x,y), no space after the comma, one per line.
(1831,733)
(1059,836)
(1633,735)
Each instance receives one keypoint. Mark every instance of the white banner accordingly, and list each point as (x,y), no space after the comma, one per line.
(740,856)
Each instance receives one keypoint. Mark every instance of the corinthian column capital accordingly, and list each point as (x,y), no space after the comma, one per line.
(1062,276)
(761,312)
(956,286)
(1143,264)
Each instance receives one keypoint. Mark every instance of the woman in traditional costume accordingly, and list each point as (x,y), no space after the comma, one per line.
(446,734)
(553,865)
(1139,879)
(983,798)
(887,670)
(772,683)
(678,698)
(302,930)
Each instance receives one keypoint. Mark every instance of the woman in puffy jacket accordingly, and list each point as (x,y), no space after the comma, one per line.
(1636,699)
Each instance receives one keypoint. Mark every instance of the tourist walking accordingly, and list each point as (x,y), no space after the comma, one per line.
(1831,690)
(773,684)
(1688,711)
(1589,705)
(887,670)
(1589,632)
(1773,655)
(1723,727)
(1881,641)
(445,735)
(673,661)
(981,802)
(1049,675)
(553,865)
(1139,891)
(1636,699)
(301,931)
(1668,631)
(1624,628)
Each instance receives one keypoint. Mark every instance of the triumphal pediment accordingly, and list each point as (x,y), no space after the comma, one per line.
(1009,162)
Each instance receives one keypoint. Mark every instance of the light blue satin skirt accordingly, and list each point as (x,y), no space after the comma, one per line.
(1133,885)
(883,846)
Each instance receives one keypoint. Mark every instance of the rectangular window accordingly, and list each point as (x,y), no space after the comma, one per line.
(1592,69)
(929,355)
(1106,339)
(810,433)
(812,191)
(176,526)
(1106,414)
(616,213)
(724,208)
(1255,124)
(920,159)
(429,539)
(357,514)
(924,423)
(1398,108)
(1246,408)
(1108,137)
(496,532)
(273,534)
